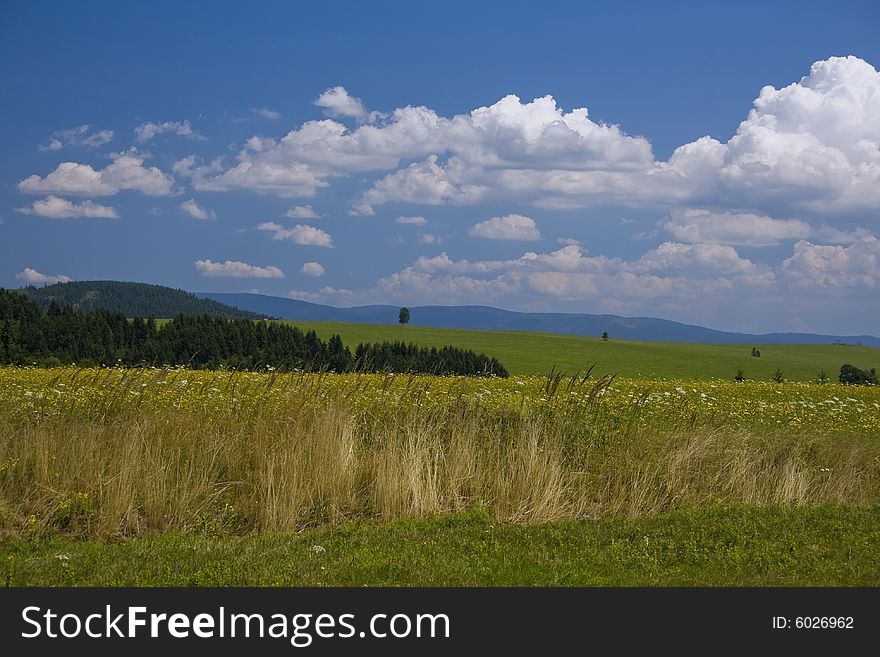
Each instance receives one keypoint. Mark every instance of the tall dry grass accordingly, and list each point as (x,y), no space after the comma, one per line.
(143,470)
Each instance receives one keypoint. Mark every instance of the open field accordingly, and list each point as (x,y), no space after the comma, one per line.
(231,477)
(537,353)
(114,452)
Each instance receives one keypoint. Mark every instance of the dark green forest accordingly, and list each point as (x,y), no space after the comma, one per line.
(131,299)
(62,335)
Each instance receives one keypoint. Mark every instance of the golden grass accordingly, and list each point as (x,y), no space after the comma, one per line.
(144,469)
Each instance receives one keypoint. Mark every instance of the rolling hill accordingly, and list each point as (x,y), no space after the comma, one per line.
(133,299)
(524,352)
(495,319)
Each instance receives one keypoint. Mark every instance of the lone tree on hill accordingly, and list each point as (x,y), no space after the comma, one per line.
(403,318)
(605,336)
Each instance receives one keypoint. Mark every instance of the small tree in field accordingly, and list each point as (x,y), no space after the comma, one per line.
(605,336)
(851,375)
(403,317)
(740,376)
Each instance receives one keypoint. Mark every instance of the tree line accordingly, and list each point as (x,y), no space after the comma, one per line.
(62,335)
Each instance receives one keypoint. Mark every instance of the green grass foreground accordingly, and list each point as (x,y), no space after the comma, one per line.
(720,546)
(536,353)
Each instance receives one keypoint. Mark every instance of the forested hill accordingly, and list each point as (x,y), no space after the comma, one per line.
(131,299)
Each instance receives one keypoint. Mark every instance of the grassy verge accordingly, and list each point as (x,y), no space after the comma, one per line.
(719,546)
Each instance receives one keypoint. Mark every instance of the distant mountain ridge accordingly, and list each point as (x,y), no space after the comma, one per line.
(488,318)
(132,299)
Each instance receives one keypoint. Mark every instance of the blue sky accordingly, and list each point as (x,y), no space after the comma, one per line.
(717,165)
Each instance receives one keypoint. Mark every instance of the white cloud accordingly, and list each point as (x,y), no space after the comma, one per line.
(415,221)
(815,266)
(509,134)
(733,228)
(32,276)
(313,269)
(266,113)
(510,227)
(147,131)
(301,234)
(672,273)
(426,183)
(269,173)
(54,207)
(303,295)
(337,102)
(428,238)
(80,136)
(832,235)
(302,212)
(125,172)
(236,269)
(812,145)
(694,258)
(338,292)
(804,151)
(809,147)
(321,295)
(196,211)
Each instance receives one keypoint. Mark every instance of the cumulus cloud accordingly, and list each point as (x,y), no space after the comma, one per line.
(302,212)
(812,145)
(266,113)
(196,211)
(428,238)
(510,227)
(670,273)
(269,173)
(125,172)
(426,183)
(507,135)
(236,269)
(81,136)
(809,147)
(313,269)
(803,151)
(301,234)
(55,207)
(733,228)
(147,131)
(694,258)
(337,102)
(815,266)
(415,221)
(32,276)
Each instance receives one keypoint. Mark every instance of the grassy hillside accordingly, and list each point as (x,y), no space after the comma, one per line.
(537,353)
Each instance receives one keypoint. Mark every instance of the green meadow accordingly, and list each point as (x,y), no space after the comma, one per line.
(538,353)
(170,476)
(744,546)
